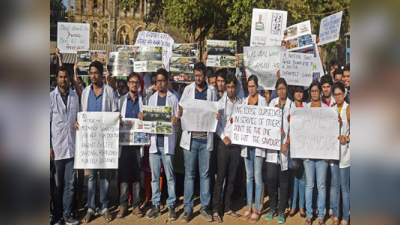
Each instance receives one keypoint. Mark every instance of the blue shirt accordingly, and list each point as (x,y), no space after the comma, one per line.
(132,107)
(161,101)
(95,104)
(201,95)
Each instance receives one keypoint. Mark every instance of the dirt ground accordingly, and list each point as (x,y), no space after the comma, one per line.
(239,206)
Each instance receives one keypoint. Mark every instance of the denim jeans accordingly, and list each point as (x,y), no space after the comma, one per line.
(335,189)
(253,165)
(315,169)
(345,185)
(105,177)
(63,191)
(129,164)
(167,160)
(299,188)
(198,154)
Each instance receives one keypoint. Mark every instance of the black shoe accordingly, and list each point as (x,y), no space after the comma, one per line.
(154,213)
(71,221)
(207,215)
(186,217)
(171,213)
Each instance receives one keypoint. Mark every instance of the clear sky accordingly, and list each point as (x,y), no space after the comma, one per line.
(66,3)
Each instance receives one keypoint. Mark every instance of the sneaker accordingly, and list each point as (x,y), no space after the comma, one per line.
(71,221)
(155,211)
(207,215)
(171,213)
(281,218)
(270,215)
(186,217)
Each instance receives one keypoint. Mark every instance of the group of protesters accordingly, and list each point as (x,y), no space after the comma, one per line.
(211,162)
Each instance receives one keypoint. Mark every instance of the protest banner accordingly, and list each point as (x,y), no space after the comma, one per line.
(155,39)
(97,140)
(317,68)
(180,65)
(188,50)
(147,59)
(157,119)
(297,68)
(121,64)
(184,56)
(263,62)
(221,53)
(329,29)
(314,133)
(73,37)
(199,115)
(267,27)
(257,126)
(131,132)
(298,36)
(84,58)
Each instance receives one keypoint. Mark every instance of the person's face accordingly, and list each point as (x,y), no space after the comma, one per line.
(338,78)
(95,75)
(220,83)
(315,94)
(298,95)
(212,81)
(346,78)
(198,77)
(63,80)
(267,95)
(252,88)
(338,95)
(230,89)
(161,83)
(281,90)
(120,87)
(326,89)
(80,83)
(133,85)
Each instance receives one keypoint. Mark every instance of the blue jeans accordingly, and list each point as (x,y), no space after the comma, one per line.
(198,153)
(319,169)
(345,185)
(299,187)
(167,160)
(253,165)
(335,189)
(63,191)
(105,177)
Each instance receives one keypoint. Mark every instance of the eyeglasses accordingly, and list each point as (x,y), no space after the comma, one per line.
(338,94)
(161,81)
(134,82)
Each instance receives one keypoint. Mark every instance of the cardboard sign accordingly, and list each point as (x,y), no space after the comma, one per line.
(157,119)
(221,53)
(329,29)
(131,132)
(199,115)
(298,36)
(297,68)
(147,59)
(267,27)
(73,37)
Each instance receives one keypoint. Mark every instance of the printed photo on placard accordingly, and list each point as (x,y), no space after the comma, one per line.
(181,65)
(221,48)
(185,50)
(276,23)
(182,77)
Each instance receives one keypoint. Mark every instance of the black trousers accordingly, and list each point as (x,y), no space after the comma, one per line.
(129,167)
(228,162)
(275,175)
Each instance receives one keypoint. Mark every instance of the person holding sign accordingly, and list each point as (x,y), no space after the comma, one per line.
(197,148)
(277,161)
(253,158)
(131,156)
(326,84)
(162,148)
(315,169)
(228,153)
(341,169)
(98,97)
(64,106)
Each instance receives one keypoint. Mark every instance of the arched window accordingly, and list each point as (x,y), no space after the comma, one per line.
(121,39)
(105,39)
(127,40)
(95,40)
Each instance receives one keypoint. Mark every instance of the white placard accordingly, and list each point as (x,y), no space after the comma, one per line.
(318,69)
(298,36)
(257,126)
(221,53)
(329,29)
(267,27)
(72,37)
(147,59)
(131,132)
(148,38)
(314,133)
(263,62)
(97,140)
(157,119)
(297,68)
(199,115)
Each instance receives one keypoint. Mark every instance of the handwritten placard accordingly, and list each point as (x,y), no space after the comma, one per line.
(263,62)
(329,29)
(72,37)
(131,132)
(314,133)
(157,119)
(297,68)
(199,115)
(267,27)
(97,140)
(318,69)
(257,126)
(298,36)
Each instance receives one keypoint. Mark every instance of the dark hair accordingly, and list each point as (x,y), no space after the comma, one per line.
(347,67)
(230,78)
(326,79)
(298,87)
(210,72)
(83,83)
(163,72)
(200,66)
(133,74)
(339,85)
(123,82)
(221,73)
(98,65)
(281,80)
(334,62)
(315,83)
(337,71)
(253,78)
(64,69)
